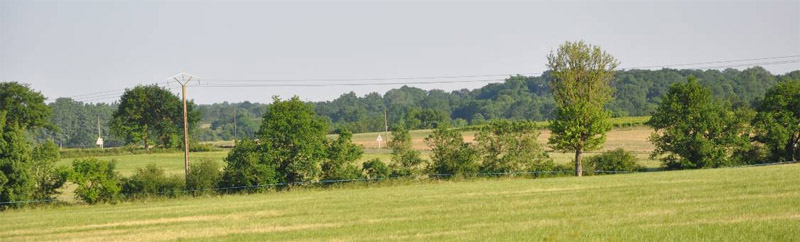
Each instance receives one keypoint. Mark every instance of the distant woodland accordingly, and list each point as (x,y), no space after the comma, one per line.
(637,93)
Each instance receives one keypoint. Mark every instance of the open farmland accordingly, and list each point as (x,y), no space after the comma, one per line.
(730,204)
(632,139)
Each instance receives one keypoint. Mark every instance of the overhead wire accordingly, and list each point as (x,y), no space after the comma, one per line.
(381,81)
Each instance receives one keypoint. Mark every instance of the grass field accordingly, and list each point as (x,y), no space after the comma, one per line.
(732,204)
(632,139)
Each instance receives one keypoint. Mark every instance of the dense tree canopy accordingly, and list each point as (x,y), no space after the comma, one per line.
(777,123)
(147,112)
(692,130)
(24,107)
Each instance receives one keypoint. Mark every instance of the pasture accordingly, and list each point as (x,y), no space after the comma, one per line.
(729,204)
(632,139)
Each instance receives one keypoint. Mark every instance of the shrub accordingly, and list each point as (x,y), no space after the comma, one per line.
(612,161)
(753,154)
(97,181)
(376,169)
(405,160)
(548,168)
(203,177)
(152,181)
(46,176)
(450,155)
(506,146)
(246,168)
(341,153)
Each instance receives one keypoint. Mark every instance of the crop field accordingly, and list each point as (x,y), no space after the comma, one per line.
(632,139)
(730,204)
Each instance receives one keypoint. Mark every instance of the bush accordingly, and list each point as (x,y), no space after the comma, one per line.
(613,161)
(152,181)
(203,177)
(201,147)
(247,168)
(340,155)
(405,160)
(548,168)
(46,176)
(97,181)
(376,169)
(507,147)
(450,155)
(753,154)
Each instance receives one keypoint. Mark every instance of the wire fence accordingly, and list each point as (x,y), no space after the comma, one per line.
(380,179)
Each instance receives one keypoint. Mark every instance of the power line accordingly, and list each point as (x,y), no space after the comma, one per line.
(345,84)
(367,79)
(712,62)
(233,83)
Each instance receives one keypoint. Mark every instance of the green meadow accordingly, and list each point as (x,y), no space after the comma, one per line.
(729,204)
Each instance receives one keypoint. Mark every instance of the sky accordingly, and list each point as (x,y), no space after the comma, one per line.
(93,50)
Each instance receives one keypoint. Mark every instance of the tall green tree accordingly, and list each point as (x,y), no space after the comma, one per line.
(16,180)
(777,123)
(292,136)
(580,80)
(147,112)
(24,107)
(693,130)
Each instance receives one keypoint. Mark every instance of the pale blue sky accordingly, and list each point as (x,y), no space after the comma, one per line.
(70,48)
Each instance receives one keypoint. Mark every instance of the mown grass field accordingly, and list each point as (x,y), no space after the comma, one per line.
(730,204)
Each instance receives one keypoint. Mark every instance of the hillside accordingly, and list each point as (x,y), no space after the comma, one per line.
(732,204)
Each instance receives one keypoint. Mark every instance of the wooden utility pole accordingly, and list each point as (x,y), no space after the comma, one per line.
(184,79)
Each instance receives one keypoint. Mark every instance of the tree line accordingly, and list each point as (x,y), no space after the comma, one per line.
(693,129)
(635,93)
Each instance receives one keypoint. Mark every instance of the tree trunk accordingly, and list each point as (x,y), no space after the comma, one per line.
(578,166)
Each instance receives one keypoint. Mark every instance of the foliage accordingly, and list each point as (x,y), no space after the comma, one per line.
(247,166)
(376,169)
(97,181)
(693,130)
(152,181)
(405,160)
(450,155)
(611,162)
(777,123)
(16,180)
(505,146)
(548,168)
(292,136)
(228,121)
(24,107)
(152,111)
(203,177)
(580,80)
(77,124)
(47,178)
(340,155)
